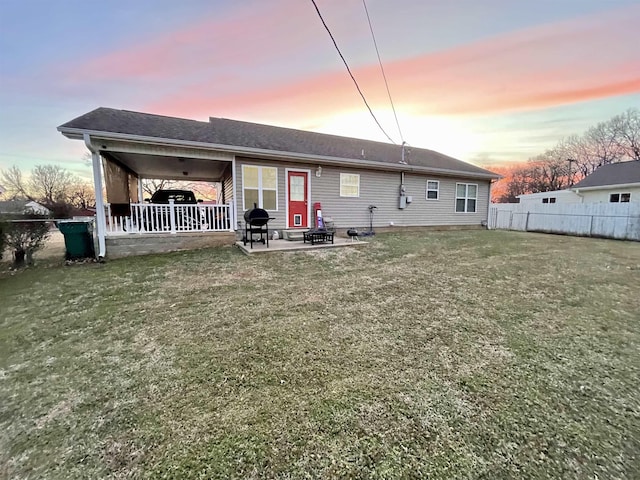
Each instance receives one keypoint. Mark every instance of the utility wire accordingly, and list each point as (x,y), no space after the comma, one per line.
(349,70)
(382,70)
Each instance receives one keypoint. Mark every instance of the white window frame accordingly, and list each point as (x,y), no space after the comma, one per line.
(466,198)
(261,189)
(437,190)
(344,176)
(620,194)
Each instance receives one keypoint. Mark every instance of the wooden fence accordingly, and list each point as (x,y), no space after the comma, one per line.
(608,220)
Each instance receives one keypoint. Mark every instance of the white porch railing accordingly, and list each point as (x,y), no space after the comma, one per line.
(170,218)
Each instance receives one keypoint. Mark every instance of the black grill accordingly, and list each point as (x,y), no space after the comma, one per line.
(256,221)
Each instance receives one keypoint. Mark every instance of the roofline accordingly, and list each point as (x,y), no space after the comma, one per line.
(78,133)
(550,192)
(604,187)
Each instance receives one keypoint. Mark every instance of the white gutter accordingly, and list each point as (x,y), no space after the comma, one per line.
(76,133)
(608,187)
(101,221)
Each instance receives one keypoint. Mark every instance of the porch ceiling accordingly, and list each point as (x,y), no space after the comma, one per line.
(170,167)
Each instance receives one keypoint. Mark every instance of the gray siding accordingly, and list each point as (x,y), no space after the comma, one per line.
(376,188)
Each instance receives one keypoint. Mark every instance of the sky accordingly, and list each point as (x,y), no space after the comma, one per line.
(488,82)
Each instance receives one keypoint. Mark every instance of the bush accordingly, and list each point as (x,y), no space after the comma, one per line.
(3,228)
(25,235)
(60,209)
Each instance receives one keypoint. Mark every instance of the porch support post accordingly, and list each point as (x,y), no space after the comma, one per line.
(101,221)
(140,191)
(234,201)
(172,215)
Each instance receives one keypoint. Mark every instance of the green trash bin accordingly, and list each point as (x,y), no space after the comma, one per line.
(78,238)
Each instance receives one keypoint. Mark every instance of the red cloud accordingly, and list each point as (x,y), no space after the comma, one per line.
(566,62)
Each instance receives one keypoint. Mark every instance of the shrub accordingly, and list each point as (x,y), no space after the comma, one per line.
(25,234)
(3,229)
(60,209)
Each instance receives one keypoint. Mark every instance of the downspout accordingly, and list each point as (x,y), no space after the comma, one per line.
(101,221)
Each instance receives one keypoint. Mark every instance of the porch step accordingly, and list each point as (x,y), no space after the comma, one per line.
(293,235)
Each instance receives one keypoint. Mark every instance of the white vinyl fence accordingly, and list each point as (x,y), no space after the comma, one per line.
(609,220)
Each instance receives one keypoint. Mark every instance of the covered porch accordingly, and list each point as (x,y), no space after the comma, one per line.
(119,168)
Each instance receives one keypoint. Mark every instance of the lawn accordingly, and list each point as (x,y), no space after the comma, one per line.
(477,354)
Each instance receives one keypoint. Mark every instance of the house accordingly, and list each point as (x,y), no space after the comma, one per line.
(612,183)
(83,214)
(554,196)
(18,207)
(281,170)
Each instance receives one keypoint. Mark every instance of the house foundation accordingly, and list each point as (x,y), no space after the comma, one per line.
(132,245)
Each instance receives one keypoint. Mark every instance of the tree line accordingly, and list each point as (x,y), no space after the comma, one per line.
(573,158)
(51,186)
(60,191)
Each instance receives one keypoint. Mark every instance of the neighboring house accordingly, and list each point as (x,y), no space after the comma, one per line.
(284,171)
(85,214)
(555,196)
(17,207)
(612,183)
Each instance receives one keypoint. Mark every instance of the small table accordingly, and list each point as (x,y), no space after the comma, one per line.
(318,236)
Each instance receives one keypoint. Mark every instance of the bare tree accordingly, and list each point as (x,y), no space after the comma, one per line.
(627,133)
(82,195)
(604,144)
(15,183)
(50,183)
(202,189)
(151,185)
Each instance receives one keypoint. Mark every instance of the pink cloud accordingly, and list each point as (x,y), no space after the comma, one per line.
(572,61)
(211,47)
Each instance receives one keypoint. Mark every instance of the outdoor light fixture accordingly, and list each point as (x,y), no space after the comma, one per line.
(319,171)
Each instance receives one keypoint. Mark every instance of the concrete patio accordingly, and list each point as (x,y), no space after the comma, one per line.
(289,245)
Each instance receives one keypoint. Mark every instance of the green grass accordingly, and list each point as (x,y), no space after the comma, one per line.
(442,355)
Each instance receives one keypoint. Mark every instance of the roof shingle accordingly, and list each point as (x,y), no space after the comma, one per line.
(234,133)
(612,174)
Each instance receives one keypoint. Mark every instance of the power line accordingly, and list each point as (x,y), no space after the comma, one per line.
(349,70)
(375,44)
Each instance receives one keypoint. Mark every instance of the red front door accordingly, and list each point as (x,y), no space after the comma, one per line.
(297,201)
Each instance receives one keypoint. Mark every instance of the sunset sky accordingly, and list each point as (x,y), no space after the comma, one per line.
(487,81)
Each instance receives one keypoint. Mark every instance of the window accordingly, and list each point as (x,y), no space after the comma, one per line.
(549,200)
(433,188)
(466,197)
(620,197)
(260,186)
(349,185)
